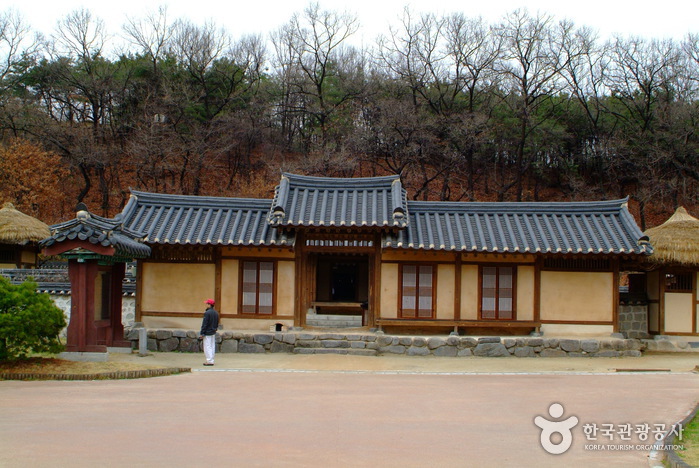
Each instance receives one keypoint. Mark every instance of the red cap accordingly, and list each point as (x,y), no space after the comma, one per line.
(210,302)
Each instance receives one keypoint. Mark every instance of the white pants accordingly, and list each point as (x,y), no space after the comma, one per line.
(209,348)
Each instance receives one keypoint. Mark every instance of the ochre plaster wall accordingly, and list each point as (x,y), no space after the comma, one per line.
(577,296)
(176,287)
(230,282)
(185,323)
(469,292)
(525,292)
(445,291)
(389,291)
(286,275)
(565,329)
(678,312)
(397,255)
(28,256)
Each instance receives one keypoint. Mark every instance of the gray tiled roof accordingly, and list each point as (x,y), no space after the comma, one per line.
(330,201)
(99,231)
(187,219)
(575,227)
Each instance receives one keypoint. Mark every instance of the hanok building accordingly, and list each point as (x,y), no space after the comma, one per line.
(357,247)
(672,283)
(20,235)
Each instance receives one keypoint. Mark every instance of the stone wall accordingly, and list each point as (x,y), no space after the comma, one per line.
(128,309)
(633,320)
(378,344)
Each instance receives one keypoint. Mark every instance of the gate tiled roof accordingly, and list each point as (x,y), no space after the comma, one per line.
(188,219)
(99,231)
(561,227)
(330,201)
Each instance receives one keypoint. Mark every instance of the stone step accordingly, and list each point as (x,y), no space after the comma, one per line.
(315,323)
(348,351)
(335,318)
(333,321)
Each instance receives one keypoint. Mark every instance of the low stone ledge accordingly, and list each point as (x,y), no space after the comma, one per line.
(116,375)
(304,342)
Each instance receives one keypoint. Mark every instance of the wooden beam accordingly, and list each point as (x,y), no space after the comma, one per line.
(65,246)
(218,278)
(615,294)
(661,303)
(694,303)
(457,288)
(139,291)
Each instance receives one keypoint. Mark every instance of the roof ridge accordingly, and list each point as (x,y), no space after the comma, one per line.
(336,180)
(576,206)
(195,199)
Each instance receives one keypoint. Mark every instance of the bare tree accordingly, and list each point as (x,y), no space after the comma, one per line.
(413,55)
(151,35)
(474,49)
(529,65)
(18,53)
(642,79)
(320,75)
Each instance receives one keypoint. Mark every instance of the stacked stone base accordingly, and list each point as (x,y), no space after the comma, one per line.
(378,344)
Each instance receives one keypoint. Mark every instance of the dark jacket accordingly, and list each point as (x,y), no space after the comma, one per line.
(210,323)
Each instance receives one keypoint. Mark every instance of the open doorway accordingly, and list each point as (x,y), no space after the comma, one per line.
(341,289)
(342,278)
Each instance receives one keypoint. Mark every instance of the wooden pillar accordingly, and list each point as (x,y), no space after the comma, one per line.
(661,302)
(218,275)
(615,293)
(300,266)
(82,333)
(374,283)
(139,291)
(695,327)
(537,290)
(457,287)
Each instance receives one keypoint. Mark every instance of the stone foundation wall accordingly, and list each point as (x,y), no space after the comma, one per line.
(377,344)
(633,321)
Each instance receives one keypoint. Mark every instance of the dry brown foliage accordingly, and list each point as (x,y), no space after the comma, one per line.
(34,180)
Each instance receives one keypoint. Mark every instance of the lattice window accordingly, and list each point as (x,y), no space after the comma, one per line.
(678,282)
(578,264)
(497,293)
(258,288)
(339,243)
(7,255)
(182,254)
(417,291)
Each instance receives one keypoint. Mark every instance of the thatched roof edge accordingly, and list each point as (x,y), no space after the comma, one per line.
(18,228)
(676,241)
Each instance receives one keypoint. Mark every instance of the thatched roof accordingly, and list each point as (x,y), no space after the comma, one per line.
(18,228)
(676,240)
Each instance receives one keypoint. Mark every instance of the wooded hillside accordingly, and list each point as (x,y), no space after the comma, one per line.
(530,108)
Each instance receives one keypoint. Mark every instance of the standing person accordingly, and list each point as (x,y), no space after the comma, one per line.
(208,332)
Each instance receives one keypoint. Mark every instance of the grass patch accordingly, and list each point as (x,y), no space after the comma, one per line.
(690,440)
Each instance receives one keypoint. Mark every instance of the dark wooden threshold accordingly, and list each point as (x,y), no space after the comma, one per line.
(460,323)
(331,307)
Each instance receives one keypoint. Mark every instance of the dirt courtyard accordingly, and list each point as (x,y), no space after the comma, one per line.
(341,411)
